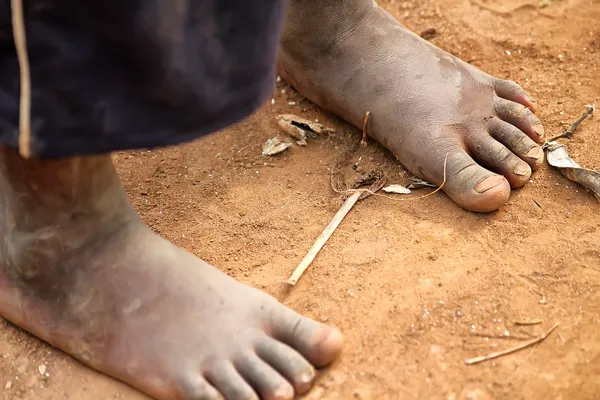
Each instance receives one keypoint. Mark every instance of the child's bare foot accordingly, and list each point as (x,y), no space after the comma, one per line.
(81,271)
(350,56)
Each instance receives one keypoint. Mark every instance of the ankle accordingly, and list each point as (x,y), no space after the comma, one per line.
(54,209)
(319,24)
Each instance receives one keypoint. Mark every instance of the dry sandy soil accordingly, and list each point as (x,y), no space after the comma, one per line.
(416,286)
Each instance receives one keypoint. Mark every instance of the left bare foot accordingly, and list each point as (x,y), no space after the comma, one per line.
(351,56)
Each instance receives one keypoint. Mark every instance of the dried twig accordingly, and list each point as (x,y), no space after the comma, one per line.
(491,356)
(323,237)
(18,24)
(502,337)
(511,11)
(376,180)
(529,322)
(570,129)
(363,142)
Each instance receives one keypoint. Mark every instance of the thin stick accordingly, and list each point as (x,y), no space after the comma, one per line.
(530,322)
(570,130)
(323,237)
(18,23)
(491,356)
(363,142)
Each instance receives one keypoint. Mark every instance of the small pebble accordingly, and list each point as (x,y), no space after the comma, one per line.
(474,393)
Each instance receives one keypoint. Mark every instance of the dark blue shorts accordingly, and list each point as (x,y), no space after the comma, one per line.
(112,75)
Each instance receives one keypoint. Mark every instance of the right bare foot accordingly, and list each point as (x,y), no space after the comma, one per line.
(82,272)
(444,119)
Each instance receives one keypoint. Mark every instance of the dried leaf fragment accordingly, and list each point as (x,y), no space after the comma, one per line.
(275,146)
(559,158)
(300,128)
(398,189)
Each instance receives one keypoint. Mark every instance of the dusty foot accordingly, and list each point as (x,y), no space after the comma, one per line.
(426,105)
(83,273)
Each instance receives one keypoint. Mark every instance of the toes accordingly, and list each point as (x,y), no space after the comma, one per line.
(318,343)
(512,91)
(267,382)
(472,186)
(295,368)
(197,388)
(495,156)
(228,381)
(519,143)
(521,117)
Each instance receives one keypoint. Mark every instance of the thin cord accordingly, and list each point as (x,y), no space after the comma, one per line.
(18,23)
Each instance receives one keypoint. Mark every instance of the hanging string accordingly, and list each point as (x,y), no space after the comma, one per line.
(18,23)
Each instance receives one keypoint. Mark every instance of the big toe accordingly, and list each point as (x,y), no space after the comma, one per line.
(470,185)
(318,343)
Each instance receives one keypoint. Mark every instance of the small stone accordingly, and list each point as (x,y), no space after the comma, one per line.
(474,393)
(8,385)
(42,369)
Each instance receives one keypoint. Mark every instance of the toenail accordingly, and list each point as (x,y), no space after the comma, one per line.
(307,376)
(320,336)
(522,170)
(539,129)
(535,153)
(489,183)
(284,392)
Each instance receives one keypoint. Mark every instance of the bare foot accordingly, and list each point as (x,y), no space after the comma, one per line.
(82,272)
(350,57)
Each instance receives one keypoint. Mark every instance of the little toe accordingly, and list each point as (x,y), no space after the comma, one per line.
(228,381)
(517,141)
(295,368)
(521,117)
(472,186)
(267,382)
(197,388)
(495,156)
(318,343)
(512,91)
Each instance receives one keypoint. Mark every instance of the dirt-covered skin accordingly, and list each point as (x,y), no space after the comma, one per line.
(428,107)
(81,271)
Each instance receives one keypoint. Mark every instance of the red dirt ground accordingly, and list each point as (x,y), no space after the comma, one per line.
(416,286)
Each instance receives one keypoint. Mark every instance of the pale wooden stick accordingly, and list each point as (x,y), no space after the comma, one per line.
(529,322)
(18,23)
(491,356)
(323,237)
